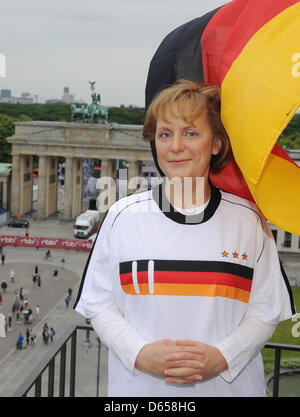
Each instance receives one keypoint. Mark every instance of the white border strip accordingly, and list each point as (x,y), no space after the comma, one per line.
(134,277)
(151,276)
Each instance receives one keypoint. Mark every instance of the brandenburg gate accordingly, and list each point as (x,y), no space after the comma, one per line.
(74,142)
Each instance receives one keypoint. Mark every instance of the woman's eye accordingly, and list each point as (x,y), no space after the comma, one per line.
(191,133)
(164,134)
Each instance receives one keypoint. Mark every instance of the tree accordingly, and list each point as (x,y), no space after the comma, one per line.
(7,129)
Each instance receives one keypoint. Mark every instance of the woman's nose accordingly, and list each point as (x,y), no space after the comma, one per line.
(177,144)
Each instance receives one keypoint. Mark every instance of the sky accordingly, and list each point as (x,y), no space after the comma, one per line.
(52,44)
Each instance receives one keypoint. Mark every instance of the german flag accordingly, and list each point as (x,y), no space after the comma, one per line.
(251,49)
(187,278)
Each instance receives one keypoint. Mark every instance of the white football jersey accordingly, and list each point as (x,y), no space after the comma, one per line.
(185,277)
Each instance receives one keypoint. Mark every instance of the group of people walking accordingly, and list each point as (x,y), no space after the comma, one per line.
(30,337)
(22,311)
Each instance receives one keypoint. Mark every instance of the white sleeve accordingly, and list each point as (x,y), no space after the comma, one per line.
(271,299)
(120,336)
(243,344)
(270,302)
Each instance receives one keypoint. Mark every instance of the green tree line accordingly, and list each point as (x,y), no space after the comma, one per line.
(10,113)
(290,137)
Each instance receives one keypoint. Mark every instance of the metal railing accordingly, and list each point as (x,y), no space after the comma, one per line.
(278,349)
(48,363)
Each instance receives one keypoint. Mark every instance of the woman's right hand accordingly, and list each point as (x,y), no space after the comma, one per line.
(151,358)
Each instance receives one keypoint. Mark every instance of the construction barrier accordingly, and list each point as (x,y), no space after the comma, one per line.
(46,242)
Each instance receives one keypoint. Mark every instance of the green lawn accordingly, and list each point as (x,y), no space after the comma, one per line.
(283,334)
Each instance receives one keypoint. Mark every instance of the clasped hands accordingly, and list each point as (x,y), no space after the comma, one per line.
(181,362)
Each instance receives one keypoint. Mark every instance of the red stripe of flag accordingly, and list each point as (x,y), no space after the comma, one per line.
(182,277)
(228,32)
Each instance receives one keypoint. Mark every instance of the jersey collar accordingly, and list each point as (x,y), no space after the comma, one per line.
(169,211)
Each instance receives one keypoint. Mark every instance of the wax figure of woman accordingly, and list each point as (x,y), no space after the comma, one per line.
(184,283)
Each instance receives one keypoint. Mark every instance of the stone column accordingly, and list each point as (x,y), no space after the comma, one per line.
(68,188)
(47,192)
(295,243)
(107,191)
(134,170)
(26,183)
(77,187)
(42,190)
(72,188)
(21,184)
(15,185)
(5,203)
(51,185)
(107,168)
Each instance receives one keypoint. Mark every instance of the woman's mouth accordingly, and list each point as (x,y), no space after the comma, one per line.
(178,161)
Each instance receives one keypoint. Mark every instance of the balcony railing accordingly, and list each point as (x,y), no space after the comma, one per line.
(67,376)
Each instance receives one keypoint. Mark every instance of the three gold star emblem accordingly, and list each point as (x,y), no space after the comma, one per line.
(235,255)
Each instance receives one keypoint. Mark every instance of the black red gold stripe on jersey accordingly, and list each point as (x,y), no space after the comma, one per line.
(186,278)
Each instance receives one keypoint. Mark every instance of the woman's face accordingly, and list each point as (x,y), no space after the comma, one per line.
(185,150)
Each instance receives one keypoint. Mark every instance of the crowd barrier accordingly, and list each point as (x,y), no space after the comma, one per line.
(45,242)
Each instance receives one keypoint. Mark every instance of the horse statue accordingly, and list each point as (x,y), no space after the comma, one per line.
(93,112)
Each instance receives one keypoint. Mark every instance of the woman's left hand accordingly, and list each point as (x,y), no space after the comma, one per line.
(205,364)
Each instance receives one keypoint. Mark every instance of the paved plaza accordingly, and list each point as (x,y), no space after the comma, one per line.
(16,365)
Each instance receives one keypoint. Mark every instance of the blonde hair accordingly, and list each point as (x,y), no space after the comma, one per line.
(188,100)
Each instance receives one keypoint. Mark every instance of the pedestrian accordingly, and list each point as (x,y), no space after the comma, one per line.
(45,334)
(37,244)
(14,309)
(176,321)
(52,334)
(20,341)
(30,320)
(67,300)
(27,336)
(9,322)
(37,312)
(36,269)
(12,276)
(62,263)
(55,275)
(4,286)
(34,280)
(39,281)
(27,232)
(2,258)
(32,338)
(26,316)
(17,302)
(70,292)
(21,295)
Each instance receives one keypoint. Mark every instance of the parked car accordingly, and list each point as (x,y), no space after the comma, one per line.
(18,223)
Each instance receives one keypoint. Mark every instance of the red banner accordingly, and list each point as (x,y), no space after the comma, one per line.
(46,242)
